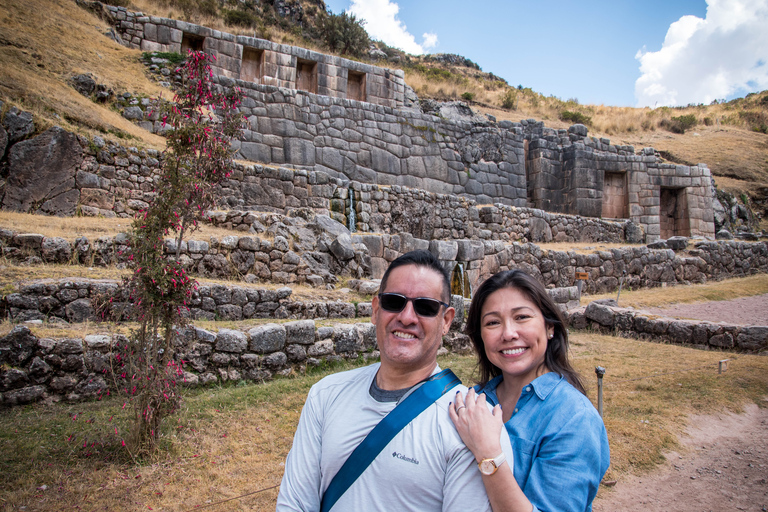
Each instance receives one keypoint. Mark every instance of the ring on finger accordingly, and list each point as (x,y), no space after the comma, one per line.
(460,408)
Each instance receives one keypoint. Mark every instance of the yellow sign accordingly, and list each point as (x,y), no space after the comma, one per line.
(582,276)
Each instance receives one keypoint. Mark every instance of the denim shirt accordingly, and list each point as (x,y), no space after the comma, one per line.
(559,441)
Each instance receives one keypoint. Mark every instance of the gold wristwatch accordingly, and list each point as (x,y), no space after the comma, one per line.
(489,466)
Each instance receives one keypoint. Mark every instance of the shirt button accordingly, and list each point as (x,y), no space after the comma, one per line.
(515,409)
(528,388)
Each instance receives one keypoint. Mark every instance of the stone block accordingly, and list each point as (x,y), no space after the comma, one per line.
(267,338)
(232,341)
(301,332)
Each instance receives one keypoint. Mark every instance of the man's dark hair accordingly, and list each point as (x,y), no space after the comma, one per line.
(420,259)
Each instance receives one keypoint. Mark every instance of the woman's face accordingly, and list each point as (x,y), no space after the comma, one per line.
(515,334)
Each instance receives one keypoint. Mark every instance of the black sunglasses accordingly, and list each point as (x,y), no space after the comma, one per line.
(423,306)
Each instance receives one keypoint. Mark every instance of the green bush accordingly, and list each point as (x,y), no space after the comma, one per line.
(509,100)
(235,18)
(172,57)
(575,117)
(468,96)
(345,34)
(679,124)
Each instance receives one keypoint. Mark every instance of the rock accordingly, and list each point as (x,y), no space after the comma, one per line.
(470,250)
(85,84)
(3,141)
(24,395)
(600,313)
(19,124)
(229,340)
(17,346)
(14,378)
(80,310)
(133,113)
(301,332)
(267,338)
(346,339)
(56,250)
(98,341)
(457,303)
(342,247)
(41,171)
(324,223)
(677,243)
(275,361)
(579,130)
(724,234)
(658,244)
(633,233)
(296,353)
(376,54)
(444,250)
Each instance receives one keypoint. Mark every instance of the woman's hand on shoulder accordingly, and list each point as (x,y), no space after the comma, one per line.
(479,427)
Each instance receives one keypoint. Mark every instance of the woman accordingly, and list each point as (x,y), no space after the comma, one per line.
(559,441)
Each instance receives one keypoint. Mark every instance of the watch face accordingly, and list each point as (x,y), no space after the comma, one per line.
(487,467)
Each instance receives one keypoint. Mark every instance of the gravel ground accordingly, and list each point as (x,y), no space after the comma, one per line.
(723,466)
(724,461)
(741,311)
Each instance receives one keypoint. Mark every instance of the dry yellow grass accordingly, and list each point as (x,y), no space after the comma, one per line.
(661,297)
(45,42)
(70,228)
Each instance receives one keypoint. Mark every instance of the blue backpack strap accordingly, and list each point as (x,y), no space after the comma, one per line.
(413,405)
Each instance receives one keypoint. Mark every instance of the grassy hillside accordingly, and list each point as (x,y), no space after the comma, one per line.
(43,47)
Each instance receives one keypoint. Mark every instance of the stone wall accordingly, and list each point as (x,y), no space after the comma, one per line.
(80,300)
(250,60)
(450,150)
(100,178)
(315,251)
(635,324)
(33,369)
(567,173)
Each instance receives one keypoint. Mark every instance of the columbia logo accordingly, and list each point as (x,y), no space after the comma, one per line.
(403,457)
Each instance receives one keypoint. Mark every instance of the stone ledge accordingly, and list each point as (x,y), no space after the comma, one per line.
(640,325)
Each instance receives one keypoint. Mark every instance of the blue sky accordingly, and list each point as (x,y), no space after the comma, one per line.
(620,52)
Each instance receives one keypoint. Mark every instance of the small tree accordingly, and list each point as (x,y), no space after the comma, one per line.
(509,100)
(203,120)
(344,33)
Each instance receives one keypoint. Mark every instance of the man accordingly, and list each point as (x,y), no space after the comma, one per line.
(425,467)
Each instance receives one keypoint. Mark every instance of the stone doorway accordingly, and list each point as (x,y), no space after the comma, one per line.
(673,213)
(191,42)
(306,76)
(251,69)
(615,197)
(356,86)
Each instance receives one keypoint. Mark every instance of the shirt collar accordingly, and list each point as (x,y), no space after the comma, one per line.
(542,385)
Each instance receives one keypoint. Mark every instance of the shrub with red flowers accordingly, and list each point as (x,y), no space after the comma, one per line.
(203,119)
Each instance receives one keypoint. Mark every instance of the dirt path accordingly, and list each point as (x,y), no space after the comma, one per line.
(724,466)
(724,462)
(741,311)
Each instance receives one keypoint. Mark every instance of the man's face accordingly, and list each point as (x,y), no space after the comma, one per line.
(407,341)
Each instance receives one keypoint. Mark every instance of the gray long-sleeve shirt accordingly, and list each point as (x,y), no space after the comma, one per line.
(426,467)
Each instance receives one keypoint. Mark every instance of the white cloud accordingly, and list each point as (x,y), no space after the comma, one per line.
(430,40)
(706,59)
(382,24)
